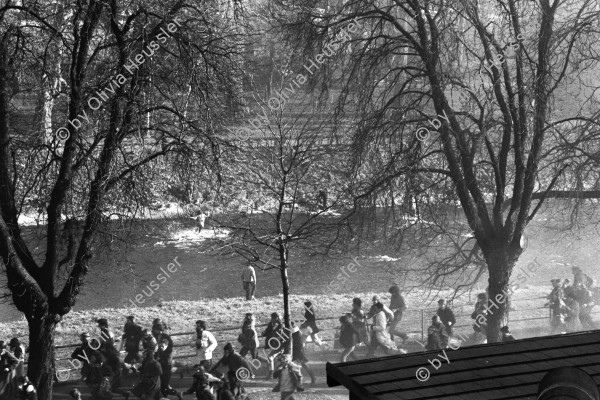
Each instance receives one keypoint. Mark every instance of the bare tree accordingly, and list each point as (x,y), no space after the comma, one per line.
(289,170)
(144,84)
(470,97)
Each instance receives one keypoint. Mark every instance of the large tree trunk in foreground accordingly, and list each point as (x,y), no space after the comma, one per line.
(40,368)
(501,261)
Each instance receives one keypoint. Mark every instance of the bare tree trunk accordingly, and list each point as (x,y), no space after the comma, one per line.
(41,354)
(285,283)
(500,265)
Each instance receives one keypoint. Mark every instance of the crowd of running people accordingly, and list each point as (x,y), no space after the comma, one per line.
(149,352)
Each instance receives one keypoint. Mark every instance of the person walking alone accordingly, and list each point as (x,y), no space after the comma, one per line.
(249,281)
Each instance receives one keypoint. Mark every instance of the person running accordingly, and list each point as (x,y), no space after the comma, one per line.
(375,310)
(200,218)
(232,360)
(223,390)
(165,359)
(83,353)
(148,386)
(17,350)
(348,337)
(95,375)
(249,280)
(290,378)
(272,342)
(249,338)
(8,363)
(437,339)
(506,335)
(149,341)
(235,386)
(359,321)
(379,335)
(586,304)
(556,302)
(311,322)
(446,316)
(205,345)
(201,384)
(158,331)
(132,336)
(397,306)
(106,336)
(112,369)
(580,277)
(298,355)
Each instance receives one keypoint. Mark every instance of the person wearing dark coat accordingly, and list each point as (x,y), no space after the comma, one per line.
(17,350)
(311,322)
(158,331)
(112,369)
(148,341)
(8,364)
(273,340)
(106,336)
(166,363)
(348,336)
(223,390)
(83,353)
(249,338)
(132,336)
(446,316)
(506,335)
(96,374)
(235,385)
(436,335)
(298,355)
(398,307)
(201,385)
(149,385)
(232,360)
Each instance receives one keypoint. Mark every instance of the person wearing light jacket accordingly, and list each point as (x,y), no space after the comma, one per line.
(205,345)
(290,378)
(380,336)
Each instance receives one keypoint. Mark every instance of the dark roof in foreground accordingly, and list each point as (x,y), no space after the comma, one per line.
(510,370)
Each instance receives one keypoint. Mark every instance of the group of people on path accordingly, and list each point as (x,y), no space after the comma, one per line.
(102,367)
(571,304)
(355,329)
